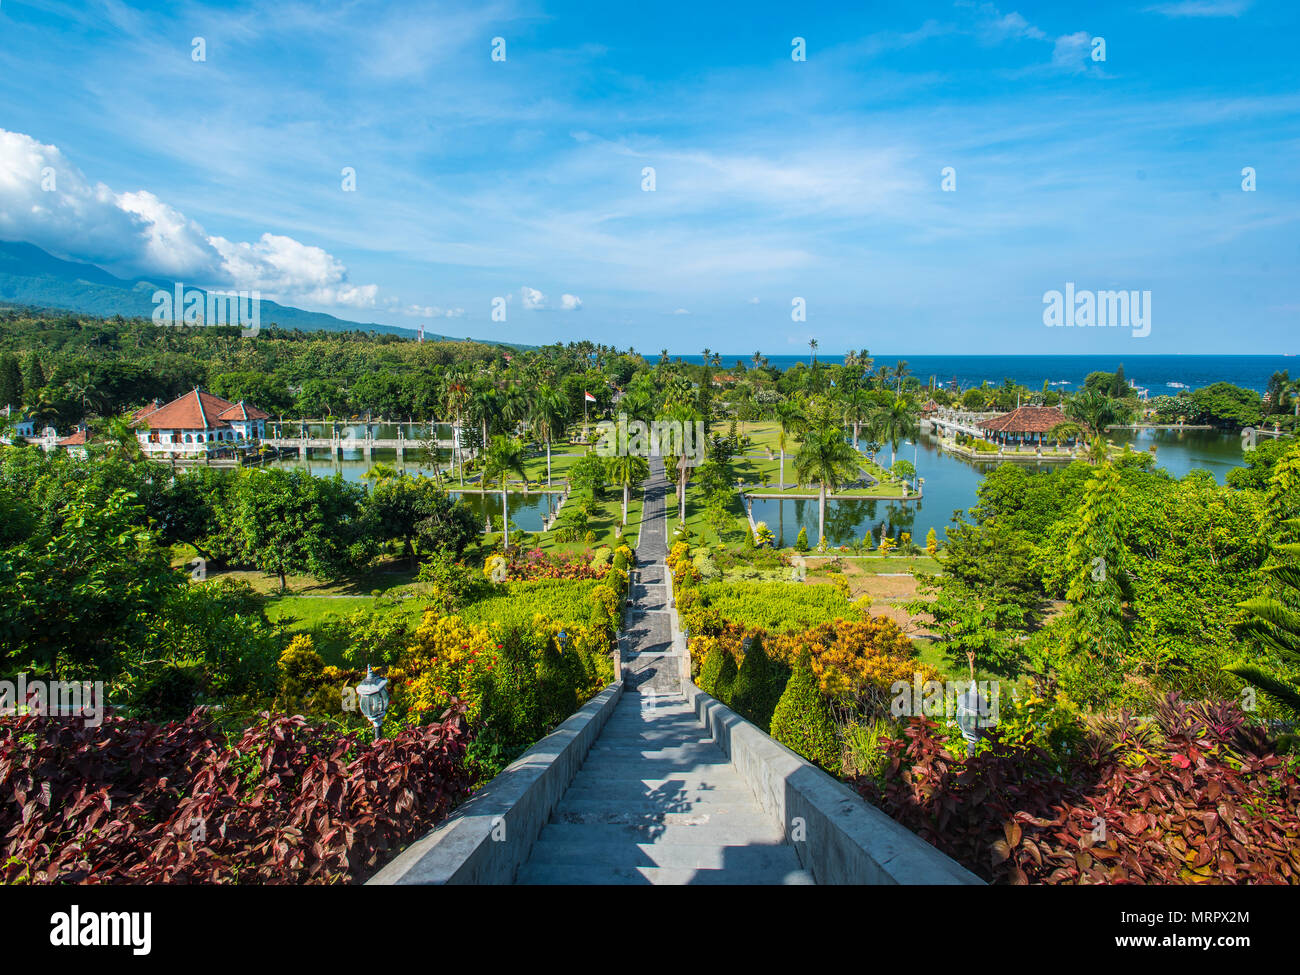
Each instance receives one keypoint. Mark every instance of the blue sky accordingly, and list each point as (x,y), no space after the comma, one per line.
(774,179)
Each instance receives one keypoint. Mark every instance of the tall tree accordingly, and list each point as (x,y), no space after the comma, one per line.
(547,414)
(505,456)
(11,381)
(790,422)
(1094,631)
(825,458)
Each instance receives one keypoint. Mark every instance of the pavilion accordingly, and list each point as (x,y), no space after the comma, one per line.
(1023,425)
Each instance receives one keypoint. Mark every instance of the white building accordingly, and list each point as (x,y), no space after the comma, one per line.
(197,422)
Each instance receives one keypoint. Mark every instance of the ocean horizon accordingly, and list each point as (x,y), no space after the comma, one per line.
(1159,374)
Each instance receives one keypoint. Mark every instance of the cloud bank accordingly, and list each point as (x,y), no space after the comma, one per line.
(48,201)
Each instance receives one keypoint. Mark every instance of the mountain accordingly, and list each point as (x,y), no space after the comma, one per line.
(31,276)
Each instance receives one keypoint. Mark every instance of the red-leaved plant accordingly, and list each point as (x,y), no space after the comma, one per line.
(133,802)
(1205,802)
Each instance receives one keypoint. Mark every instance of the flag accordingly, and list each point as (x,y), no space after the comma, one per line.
(589,398)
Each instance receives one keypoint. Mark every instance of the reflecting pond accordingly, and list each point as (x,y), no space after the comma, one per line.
(951,484)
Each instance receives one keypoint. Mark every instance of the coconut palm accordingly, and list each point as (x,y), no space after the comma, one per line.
(455,397)
(899,372)
(626,469)
(505,456)
(790,421)
(894,422)
(812,345)
(547,414)
(825,458)
(1095,411)
(857,409)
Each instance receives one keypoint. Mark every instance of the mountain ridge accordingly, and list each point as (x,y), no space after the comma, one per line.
(31,276)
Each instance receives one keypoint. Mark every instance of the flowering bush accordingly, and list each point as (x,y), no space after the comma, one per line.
(855,662)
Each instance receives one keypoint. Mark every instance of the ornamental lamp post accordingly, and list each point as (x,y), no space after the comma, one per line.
(968,716)
(372,699)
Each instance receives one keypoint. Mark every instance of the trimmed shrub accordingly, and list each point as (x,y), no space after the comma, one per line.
(801,541)
(726,685)
(803,723)
(759,685)
(711,668)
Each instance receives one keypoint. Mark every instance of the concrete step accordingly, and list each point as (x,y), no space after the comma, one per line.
(705,834)
(685,812)
(631,790)
(550,873)
(764,857)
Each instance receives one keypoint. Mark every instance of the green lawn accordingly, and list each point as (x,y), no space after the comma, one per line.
(312,614)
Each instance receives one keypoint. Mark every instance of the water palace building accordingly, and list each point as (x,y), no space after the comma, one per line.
(1023,425)
(197,422)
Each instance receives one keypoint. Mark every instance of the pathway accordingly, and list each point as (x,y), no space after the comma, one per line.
(656,801)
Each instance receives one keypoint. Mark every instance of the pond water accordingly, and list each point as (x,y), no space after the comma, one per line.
(951,484)
(528,512)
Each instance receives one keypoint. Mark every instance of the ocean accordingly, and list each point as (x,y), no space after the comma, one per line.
(1160,374)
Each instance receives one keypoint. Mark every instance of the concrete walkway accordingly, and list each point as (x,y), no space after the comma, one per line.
(656,801)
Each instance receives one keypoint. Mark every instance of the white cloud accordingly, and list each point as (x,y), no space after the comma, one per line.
(134,233)
(753,301)
(680,311)
(1070,49)
(535,300)
(432,311)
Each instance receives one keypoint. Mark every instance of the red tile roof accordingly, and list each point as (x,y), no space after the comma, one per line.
(77,439)
(1025,419)
(242,411)
(197,410)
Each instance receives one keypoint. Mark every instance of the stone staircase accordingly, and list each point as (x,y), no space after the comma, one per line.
(656,800)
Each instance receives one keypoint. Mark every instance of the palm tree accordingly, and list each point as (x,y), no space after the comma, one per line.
(758,359)
(548,412)
(505,456)
(894,422)
(626,469)
(455,397)
(1094,411)
(856,409)
(812,345)
(790,421)
(900,373)
(824,457)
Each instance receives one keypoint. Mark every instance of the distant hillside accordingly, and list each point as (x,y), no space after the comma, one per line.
(31,276)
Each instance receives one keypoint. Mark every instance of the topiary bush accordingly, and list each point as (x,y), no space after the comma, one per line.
(803,723)
(711,668)
(801,540)
(759,685)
